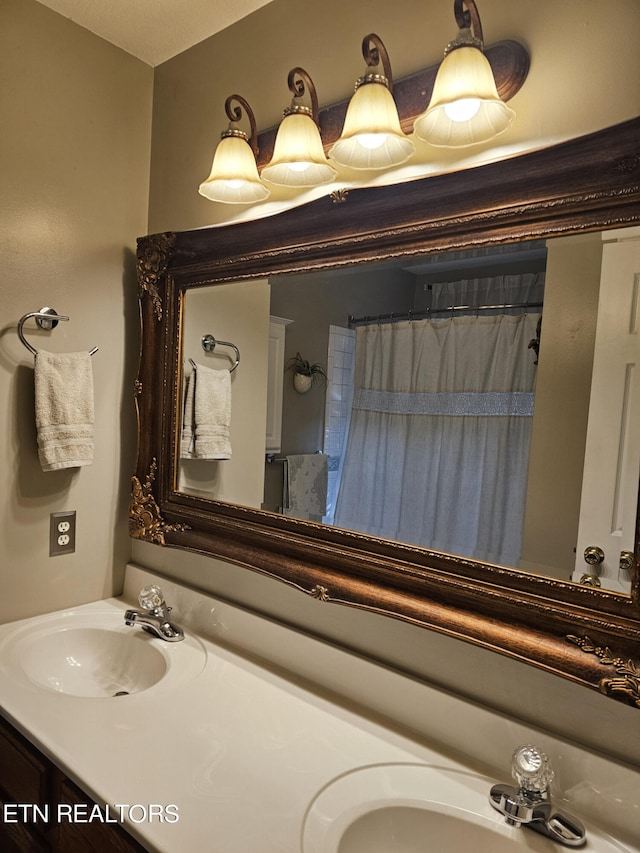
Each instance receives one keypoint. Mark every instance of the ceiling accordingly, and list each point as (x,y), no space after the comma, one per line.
(154,30)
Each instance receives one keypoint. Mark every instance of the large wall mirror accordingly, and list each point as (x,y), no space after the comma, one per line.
(468,460)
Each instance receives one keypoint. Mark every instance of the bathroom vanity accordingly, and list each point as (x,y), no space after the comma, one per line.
(30,780)
(221,742)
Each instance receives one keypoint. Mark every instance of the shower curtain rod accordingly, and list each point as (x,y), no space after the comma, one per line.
(429,312)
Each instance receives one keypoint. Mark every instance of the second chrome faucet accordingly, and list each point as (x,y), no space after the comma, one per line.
(154,615)
(530,805)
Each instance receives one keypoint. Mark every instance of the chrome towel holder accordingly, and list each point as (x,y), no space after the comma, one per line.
(209,343)
(46,318)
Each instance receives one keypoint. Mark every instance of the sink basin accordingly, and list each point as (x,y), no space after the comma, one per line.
(412,808)
(95,655)
(93,662)
(406,828)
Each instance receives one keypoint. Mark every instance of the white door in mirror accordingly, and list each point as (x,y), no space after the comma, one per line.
(612,456)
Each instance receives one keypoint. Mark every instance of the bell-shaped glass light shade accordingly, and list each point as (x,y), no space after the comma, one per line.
(372,137)
(465,107)
(298,156)
(234,175)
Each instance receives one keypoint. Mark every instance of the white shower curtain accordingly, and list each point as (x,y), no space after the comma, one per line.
(438,445)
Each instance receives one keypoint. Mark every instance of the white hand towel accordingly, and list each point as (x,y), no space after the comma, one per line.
(212,413)
(187,440)
(64,409)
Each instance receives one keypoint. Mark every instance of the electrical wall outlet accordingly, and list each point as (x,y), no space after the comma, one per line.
(62,533)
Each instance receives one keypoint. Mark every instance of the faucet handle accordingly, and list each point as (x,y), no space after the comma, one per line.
(150,597)
(531,769)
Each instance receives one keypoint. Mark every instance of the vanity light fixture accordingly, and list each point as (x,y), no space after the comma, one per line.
(234,175)
(371,136)
(465,107)
(298,156)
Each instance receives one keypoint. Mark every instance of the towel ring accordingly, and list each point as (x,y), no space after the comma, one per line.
(209,344)
(46,318)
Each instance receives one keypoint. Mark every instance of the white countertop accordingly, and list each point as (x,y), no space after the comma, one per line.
(239,749)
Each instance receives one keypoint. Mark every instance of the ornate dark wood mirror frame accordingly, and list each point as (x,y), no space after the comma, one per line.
(579,632)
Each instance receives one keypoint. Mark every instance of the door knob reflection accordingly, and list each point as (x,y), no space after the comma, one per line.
(593,555)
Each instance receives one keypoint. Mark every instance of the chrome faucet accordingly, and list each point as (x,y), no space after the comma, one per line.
(530,805)
(154,615)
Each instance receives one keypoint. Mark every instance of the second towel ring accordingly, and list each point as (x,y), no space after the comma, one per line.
(209,343)
(46,318)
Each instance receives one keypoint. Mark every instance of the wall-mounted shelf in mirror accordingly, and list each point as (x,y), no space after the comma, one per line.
(548,198)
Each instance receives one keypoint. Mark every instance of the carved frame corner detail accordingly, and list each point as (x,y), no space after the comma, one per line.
(154,255)
(145,520)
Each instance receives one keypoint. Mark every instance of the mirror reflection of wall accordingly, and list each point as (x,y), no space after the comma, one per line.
(517,504)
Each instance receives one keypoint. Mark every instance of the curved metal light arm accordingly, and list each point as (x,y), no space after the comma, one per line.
(468,17)
(300,82)
(374,53)
(235,114)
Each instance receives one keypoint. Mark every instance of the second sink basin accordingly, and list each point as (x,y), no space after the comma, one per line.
(405,829)
(94,655)
(411,808)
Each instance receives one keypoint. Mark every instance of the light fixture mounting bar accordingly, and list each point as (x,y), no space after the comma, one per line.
(509,61)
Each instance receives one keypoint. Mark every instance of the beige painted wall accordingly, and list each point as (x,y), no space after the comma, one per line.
(74,166)
(585,75)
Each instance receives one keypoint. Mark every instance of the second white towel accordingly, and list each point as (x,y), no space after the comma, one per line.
(207,422)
